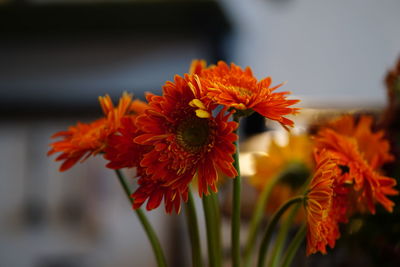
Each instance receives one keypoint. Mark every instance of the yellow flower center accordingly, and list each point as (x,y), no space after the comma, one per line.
(242,91)
(193,133)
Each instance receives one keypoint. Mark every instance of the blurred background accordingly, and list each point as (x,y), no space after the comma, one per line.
(58,56)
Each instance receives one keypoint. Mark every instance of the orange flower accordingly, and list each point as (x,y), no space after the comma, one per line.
(354,153)
(197,66)
(375,149)
(155,191)
(320,226)
(237,88)
(359,152)
(121,150)
(86,139)
(186,139)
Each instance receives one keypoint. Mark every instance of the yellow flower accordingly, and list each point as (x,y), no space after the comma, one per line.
(294,160)
(298,150)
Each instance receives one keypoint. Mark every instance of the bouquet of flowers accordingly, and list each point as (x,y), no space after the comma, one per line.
(185,139)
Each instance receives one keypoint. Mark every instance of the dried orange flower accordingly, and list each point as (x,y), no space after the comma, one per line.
(186,139)
(86,139)
(237,88)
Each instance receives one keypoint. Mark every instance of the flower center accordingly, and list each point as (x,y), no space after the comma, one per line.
(193,133)
(242,91)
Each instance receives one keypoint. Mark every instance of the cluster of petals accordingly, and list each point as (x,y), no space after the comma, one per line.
(237,88)
(178,136)
(184,144)
(86,139)
(357,153)
(181,135)
(318,205)
(360,152)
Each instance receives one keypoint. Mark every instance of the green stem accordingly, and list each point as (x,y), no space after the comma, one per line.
(294,246)
(211,226)
(193,232)
(256,220)
(235,231)
(280,240)
(290,169)
(270,228)
(161,262)
(217,216)
(283,231)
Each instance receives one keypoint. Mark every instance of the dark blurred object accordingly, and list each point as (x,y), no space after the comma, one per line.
(390,119)
(34,213)
(63,54)
(188,17)
(253,124)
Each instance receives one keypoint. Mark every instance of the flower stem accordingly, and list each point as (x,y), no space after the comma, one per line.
(294,246)
(161,262)
(235,231)
(193,232)
(283,231)
(290,169)
(217,216)
(256,220)
(270,228)
(281,238)
(214,248)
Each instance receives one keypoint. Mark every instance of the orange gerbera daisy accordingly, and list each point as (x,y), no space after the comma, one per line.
(187,139)
(155,191)
(233,87)
(320,226)
(197,66)
(359,152)
(121,150)
(86,139)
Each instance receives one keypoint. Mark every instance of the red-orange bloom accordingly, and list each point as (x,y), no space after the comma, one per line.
(186,139)
(121,150)
(86,139)
(197,66)
(233,87)
(360,152)
(320,226)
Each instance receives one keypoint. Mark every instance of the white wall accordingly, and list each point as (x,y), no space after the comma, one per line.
(332,53)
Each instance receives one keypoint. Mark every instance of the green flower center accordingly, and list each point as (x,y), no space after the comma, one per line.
(193,134)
